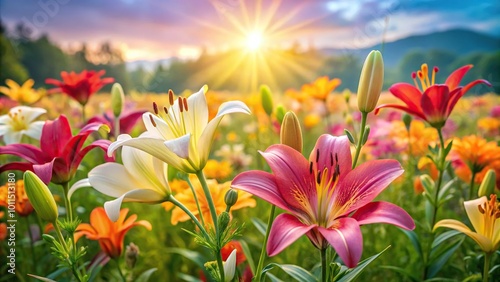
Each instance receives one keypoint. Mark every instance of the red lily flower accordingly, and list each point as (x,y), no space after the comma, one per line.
(80,86)
(127,121)
(324,198)
(60,152)
(437,101)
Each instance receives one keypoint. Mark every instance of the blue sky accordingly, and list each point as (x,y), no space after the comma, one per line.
(152,29)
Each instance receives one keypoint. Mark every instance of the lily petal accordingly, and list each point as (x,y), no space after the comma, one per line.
(364,183)
(55,135)
(435,103)
(453,80)
(180,146)
(152,146)
(408,93)
(44,171)
(347,240)
(35,130)
(285,230)
(140,165)
(291,170)
(12,137)
(475,216)
(483,242)
(78,185)
(261,184)
(139,195)
(112,179)
(384,212)
(331,148)
(26,151)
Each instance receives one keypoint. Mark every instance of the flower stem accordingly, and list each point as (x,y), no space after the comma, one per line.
(196,200)
(441,168)
(74,268)
(473,178)
(67,202)
(362,132)
(210,201)
(32,247)
(120,270)
(84,118)
(486,270)
(116,127)
(323,265)
(190,214)
(262,257)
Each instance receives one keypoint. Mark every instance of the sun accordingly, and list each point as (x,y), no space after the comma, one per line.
(254,41)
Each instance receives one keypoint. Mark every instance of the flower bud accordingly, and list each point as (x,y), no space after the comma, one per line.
(117,99)
(266,99)
(407,121)
(230,198)
(370,82)
(131,254)
(230,266)
(40,197)
(291,134)
(347,95)
(223,221)
(280,113)
(488,184)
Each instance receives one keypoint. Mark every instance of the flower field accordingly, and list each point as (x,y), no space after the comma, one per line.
(308,184)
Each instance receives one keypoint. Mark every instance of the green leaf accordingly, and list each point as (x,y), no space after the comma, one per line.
(188,278)
(415,241)
(296,272)
(193,256)
(248,254)
(260,225)
(402,271)
(41,278)
(355,272)
(444,190)
(144,277)
(439,257)
(273,278)
(444,237)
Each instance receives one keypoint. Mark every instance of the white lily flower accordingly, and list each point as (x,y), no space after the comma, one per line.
(19,122)
(230,266)
(181,134)
(142,178)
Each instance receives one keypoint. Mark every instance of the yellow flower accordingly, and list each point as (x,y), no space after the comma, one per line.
(489,124)
(321,87)
(23,205)
(420,137)
(218,191)
(483,215)
(218,170)
(311,120)
(24,94)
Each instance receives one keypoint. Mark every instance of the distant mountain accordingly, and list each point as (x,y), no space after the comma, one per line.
(458,41)
(149,65)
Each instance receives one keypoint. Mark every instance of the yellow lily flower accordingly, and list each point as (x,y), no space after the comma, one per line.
(24,94)
(483,215)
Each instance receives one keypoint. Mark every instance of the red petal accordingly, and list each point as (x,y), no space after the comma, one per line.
(26,151)
(331,148)
(403,108)
(55,136)
(408,93)
(453,80)
(435,103)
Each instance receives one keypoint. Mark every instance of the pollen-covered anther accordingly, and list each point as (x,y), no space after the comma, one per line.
(152,120)
(165,110)
(181,104)
(184,101)
(155,108)
(171,97)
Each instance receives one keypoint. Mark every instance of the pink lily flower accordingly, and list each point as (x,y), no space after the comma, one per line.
(127,121)
(325,199)
(60,152)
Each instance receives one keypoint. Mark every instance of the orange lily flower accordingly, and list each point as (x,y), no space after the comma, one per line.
(321,87)
(109,234)
(23,205)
